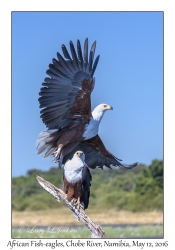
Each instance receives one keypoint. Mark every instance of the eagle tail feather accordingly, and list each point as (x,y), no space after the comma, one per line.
(45,143)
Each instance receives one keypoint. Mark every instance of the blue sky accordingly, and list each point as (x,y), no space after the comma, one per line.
(129,77)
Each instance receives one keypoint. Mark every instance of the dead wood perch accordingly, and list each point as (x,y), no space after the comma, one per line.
(58,194)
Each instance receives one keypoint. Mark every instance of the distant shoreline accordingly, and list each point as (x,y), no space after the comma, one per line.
(64,217)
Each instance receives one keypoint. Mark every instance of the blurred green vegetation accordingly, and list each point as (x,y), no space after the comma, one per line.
(138,189)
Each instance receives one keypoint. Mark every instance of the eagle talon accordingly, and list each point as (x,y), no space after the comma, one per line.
(73,201)
(57,153)
(76,203)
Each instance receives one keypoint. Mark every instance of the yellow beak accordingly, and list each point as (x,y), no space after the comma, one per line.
(109,107)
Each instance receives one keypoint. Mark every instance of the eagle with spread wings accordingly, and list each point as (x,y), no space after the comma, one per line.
(65,102)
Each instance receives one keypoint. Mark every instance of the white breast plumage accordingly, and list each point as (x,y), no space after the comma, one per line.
(74,175)
(91,129)
(73,169)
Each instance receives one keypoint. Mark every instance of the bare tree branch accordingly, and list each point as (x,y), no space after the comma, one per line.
(58,194)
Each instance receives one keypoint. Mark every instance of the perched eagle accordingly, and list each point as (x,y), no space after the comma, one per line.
(65,102)
(77,178)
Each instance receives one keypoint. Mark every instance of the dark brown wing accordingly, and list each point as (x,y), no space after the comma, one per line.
(70,81)
(96,155)
(82,103)
(86,183)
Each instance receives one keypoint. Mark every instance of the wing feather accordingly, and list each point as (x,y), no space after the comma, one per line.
(65,52)
(61,65)
(95,65)
(91,55)
(96,155)
(86,183)
(58,72)
(70,79)
(80,56)
(74,55)
(86,51)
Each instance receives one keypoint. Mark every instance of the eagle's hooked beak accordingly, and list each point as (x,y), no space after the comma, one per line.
(107,107)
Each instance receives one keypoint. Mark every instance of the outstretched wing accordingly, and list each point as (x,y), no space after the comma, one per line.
(86,183)
(96,155)
(66,92)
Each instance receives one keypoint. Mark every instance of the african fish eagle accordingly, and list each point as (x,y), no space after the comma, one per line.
(65,102)
(76,179)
